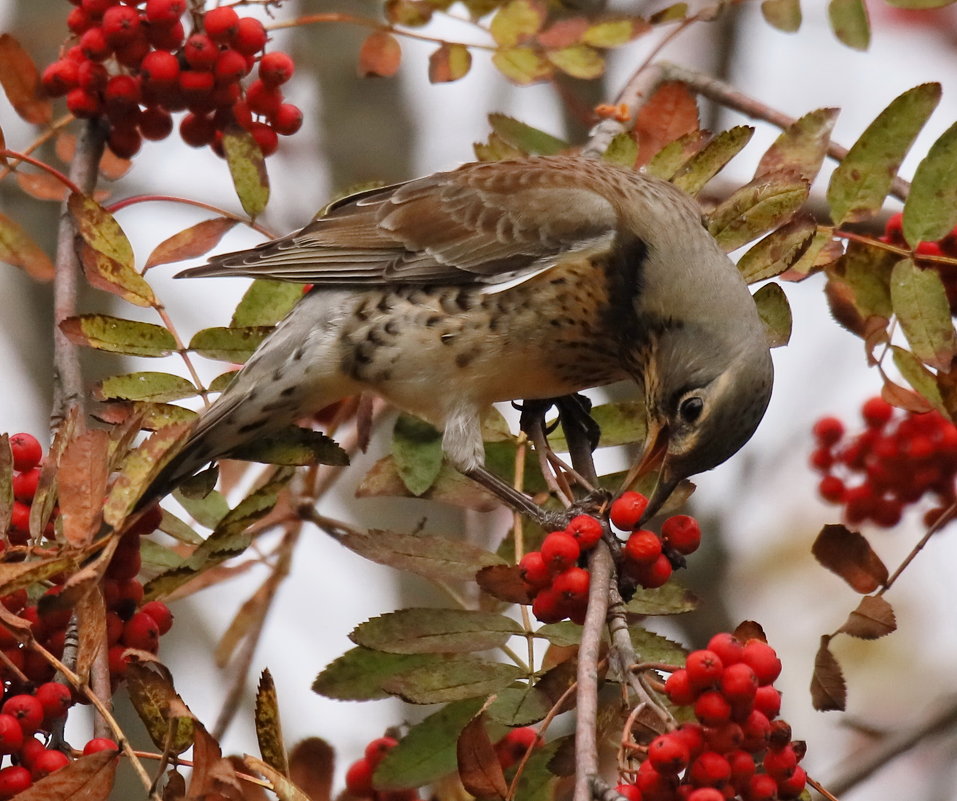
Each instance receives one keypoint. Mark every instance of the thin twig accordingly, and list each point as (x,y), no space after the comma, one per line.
(939,523)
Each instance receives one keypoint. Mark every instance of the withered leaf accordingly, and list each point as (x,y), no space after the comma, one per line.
(828,688)
(848,554)
(873,618)
(479,768)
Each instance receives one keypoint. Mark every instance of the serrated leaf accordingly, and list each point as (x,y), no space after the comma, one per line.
(670,114)
(785,15)
(379,56)
(153,696)
(190,243)
(522,65)
(197,497)
(19,250)
(930,212)
(247,166)
(874,618)
(268,726)
(450,487)
(775,313)
(920,303)
(863,178)
(229,344)
(496,149)
(21,82)
(614,32)
(81,484)
(756,208)
(867,272)
(450,62)
(919,377)
(417,451)
(293,446)
(673,156)
(828,688)
(561,634)
(517,21)
(117,335)
(418,631)
(439,558)
(358,674)
(479,768)
(779,250)
(622,150)
(144,386)
(454,679)
(651,647)
(519,706)
(525,137)
(850,22)
(849,555)
(579,61)
(671,599)
(705,164)
(802,146)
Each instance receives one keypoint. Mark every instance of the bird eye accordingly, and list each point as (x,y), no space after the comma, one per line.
(690,409)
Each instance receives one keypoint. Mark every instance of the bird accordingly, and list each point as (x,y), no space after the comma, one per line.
(528,278)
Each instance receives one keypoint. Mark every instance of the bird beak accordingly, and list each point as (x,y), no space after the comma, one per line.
(653,458)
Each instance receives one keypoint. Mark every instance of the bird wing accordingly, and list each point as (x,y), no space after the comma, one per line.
(483,223)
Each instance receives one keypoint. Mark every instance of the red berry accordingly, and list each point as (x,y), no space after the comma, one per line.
(682,533)
(141,632)
(285,122)
(250,36)
(780,763)
(166,38)
(643,547)
(78,21)
(876,412)
(378,748)
(763,660)
(31,749)
(655,786)
(121,25)
(727,647)
(165,13)
(11,734)
(55,699)
(584,528)
(230,67)
(13,780)
(712,708)
(534,571)
(739,684)
(704,668)
(654,575)
(828,431)
(83,104)
(514,745)
(197,130)
(58,79)
(122,92)
(160,68)
(725,738)
(710,769)
(160,613)
(94,45)
(668,754)
(276,68)
(572,584)
(125,564)
(757,731)
(98,744)
(27,710)
(155,123)
(627,509)
(761,787)
(549,606)
(200,52)
(560,551)
(831,489)
(25,485)
(221,24)
(359,777)
(263,99)
(195,84)
(96,8)
(706,794)
(678,688)
(793,785)
(767,700)
(118,661)
(629,791)
(20,519)
(48,762)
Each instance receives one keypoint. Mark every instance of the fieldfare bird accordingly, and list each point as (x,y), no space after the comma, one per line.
(524,279)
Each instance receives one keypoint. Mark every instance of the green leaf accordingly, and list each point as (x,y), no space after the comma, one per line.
(517,21)
(292,445)
(775,313)
(920,303)
(756,208)
(621,423)
(18,249)
(247,166)
(823,251)
(496,149)
(449,63)
(919,377)
(179,529)
(850,22)
(919,3)
(519,706)
(358,674)
(672,13)
(117,335)
(234,345)
(622,150)
(578,60)
(562,634)
(930,212)
(421,631)
(802,146)
(145,386)
(522,65)
(454,679)
(672,599)
(862,180)
(222,381)
(427,751)
(779,250)
(525,137)
(417,451)
(785,15)
(867,272)
(439,558)
(673,156)
(265,303)
(208,508)
(652,647)
(705,164)
(614,32)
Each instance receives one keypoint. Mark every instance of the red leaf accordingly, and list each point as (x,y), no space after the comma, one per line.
(563,33)
(379,55)
(21,82)
(670,113)
(190,243)
(828,688)
(848,554)
(503,582)
(479,769)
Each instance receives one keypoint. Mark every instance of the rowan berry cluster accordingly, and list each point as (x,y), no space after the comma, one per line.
(27,458)
(898,459)
(738,748)
(359,775)
(132,64)
(947,246)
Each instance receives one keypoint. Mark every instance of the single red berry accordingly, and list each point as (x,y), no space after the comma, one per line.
(678,688)
(221,24)
(725,738)
(164,13)
(200,52)
(793,785)
(767,700)
(710,769)
(894,228)
(742,768)
(58,79)
(197,130)
(627,509)
(654,575)
(160,612)
(682,533)
(739,684)
(94,45)
(780,736)
(668,754)
(378,748)
(822,459)
(25,484)
(832,489)
(13,780)
(122,92)
(534,571)
(513,746)
(49,762)
(250,36)
(160,69)
(285,122)
(55,699)
(230,67)
(712,708)
(706,794)
(114,628)
(584,528)
(121,25)
(760,787)
(125,564)
(96,8)
(78,21)
(704,668)
(27,710)
(98,744)
(727,647)
(276,68)
(11,734)
(155,123)
(118,661)
(83,103)
(549,606)
(167,37)
(195,84)
(91,76)
(560,551)
(30,750)
(572,584)
(780,763)
(643,547)
(828,431)
(263,99)
(655,785)
(630,792)
(19,520)
(763,660)
(141,632)
(876,412)
(757,731)
(359,778)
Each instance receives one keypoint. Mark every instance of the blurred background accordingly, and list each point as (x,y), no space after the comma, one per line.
(760,511)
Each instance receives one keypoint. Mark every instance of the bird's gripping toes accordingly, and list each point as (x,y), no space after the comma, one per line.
(523,279)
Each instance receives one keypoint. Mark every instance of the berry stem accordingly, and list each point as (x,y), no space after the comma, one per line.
(939,523)
(25,159)
(43,138)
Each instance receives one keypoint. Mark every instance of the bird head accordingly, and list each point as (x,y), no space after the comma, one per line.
(705,394)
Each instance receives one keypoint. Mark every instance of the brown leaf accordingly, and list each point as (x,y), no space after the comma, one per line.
(904,398)
(21,82)
(873,618)
(449,63)
(671,112)
(169,723)
(42,185)
(268,726)
(284,789)
(379,56)
(503,582)
(18,249)
(479,769)
(250,791)
(848,554)
(828,688)
(190,243)
(557,679)
(311,763)
(89,778)
(750,630)
(91,625)
(82,485)
(212,774)
(175,789)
